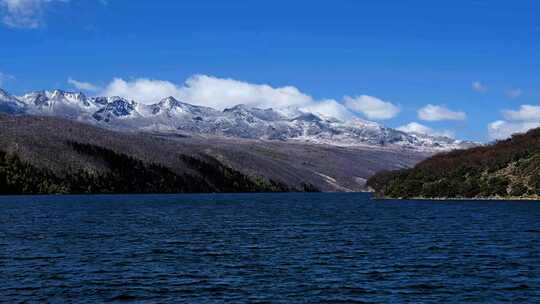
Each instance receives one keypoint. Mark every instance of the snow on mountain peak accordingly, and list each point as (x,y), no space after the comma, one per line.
(4,94)
(10,104)
(172,115)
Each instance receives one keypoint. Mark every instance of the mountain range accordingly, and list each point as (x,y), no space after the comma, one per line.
(171,116)
(44,155)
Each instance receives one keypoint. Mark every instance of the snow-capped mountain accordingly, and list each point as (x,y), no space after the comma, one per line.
(10,104)
(59,103)
(170,115)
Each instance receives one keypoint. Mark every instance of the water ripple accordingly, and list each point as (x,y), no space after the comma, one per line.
(267,248)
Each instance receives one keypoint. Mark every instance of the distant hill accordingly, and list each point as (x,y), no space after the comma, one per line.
(506,169)
(53,155)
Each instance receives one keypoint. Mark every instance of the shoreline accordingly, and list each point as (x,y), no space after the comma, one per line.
(459,198)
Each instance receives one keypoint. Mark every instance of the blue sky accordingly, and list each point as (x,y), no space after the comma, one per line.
(475,62)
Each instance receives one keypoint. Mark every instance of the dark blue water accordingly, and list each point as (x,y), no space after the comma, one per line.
(267,248)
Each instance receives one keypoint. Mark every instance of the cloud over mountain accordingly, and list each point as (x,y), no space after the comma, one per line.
(372,107)
(418,128)
(502,129)
(143,90)
(209,91)
(85,86)
(525,113)
(221,93)
(225,92)
(516,121)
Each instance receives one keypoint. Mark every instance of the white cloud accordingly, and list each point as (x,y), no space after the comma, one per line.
(513,93)
(501,129)
(440,112)
(330,108)
(415,127)
(142,90)
(209,91)
(525,113)
(221,93)
(517,121)
(24,13)
(85,86)
(479,87)
(372,107)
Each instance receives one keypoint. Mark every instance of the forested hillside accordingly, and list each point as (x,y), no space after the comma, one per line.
(61,149)
(52,156)
(506,169)
(126,174)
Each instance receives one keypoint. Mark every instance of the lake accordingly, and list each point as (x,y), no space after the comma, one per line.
(267,248)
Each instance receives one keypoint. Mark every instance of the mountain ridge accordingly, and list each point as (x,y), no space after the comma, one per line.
(240,121)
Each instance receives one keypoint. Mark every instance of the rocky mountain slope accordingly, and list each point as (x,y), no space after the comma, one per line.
(175,117)
(506,169)
(54,145)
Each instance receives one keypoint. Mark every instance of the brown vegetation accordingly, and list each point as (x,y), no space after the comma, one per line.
(508,168)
